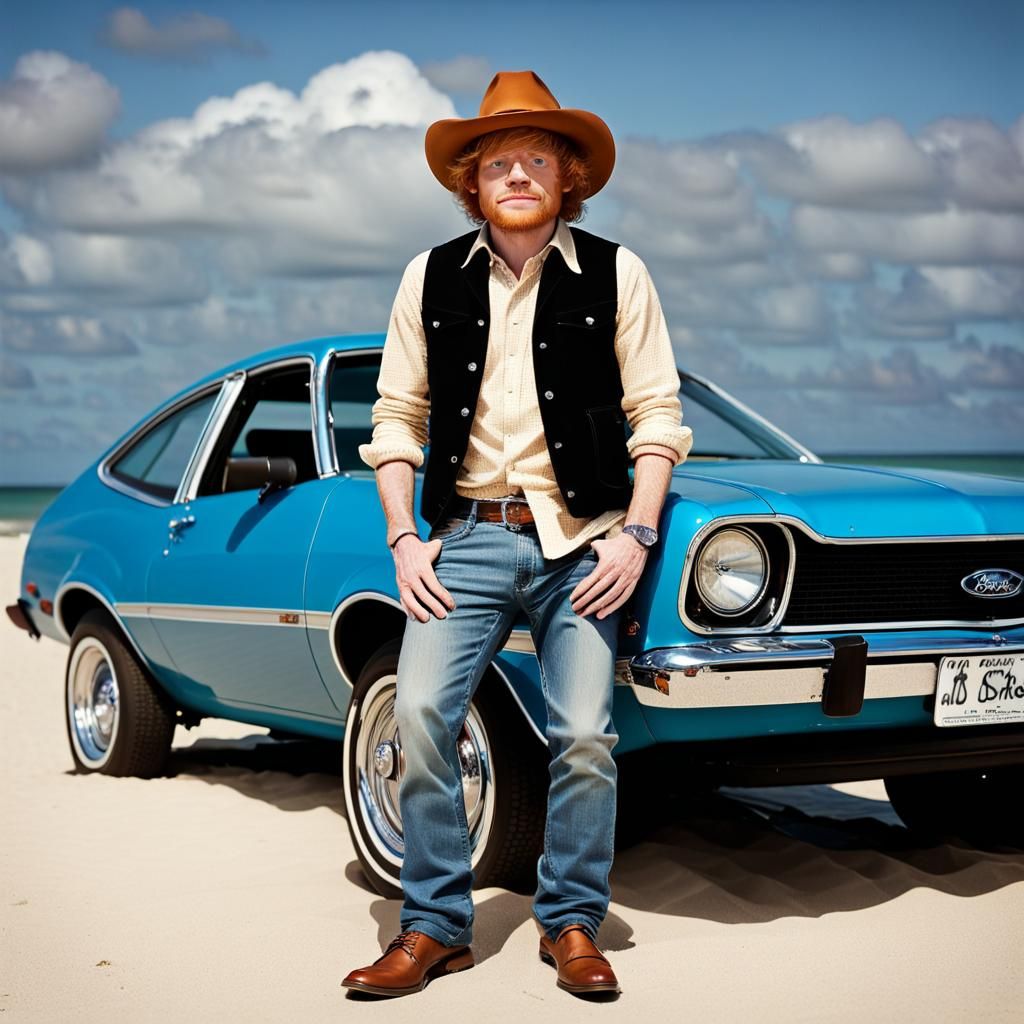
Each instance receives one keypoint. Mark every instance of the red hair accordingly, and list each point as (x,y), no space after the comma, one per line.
(573,167)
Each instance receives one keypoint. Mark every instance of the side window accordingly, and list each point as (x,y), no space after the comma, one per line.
(272,417)
(353,392)
(156,462)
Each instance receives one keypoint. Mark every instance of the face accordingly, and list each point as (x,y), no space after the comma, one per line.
(520,189)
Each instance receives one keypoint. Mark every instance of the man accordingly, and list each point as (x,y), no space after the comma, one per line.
(524,342)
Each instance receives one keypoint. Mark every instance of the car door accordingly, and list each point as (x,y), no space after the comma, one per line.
(225,592)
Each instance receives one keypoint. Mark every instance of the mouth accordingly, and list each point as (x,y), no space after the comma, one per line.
(513,199)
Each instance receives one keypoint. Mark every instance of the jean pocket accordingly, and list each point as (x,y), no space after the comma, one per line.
(452,528)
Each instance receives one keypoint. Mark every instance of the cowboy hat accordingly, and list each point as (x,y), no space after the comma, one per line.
(516,99)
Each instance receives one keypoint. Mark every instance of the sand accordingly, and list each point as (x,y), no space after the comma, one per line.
(230,891)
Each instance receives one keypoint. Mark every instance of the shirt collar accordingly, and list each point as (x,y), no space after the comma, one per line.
(562,240)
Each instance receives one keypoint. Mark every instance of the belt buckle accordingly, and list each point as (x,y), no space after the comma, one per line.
(514,510)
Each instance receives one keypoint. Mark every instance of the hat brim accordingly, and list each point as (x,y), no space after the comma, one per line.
(445,138)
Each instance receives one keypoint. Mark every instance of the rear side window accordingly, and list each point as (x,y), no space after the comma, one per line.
(156,462)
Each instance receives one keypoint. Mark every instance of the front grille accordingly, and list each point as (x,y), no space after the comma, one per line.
(916,581)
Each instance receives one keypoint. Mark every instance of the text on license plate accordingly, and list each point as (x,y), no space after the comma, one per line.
(980,689)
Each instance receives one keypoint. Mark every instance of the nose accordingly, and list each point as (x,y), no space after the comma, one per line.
(516,173)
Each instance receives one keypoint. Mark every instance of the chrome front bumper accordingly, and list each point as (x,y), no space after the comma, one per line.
(759,670)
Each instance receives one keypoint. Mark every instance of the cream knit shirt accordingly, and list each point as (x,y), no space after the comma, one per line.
(507,453)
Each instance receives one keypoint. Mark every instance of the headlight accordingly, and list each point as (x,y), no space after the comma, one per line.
(731,571)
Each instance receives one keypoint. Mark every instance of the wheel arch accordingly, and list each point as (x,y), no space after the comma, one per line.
(75,598)
(363,622)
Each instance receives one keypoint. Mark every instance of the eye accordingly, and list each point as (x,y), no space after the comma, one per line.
(539,160)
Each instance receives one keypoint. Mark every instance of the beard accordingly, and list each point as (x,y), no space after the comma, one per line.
(523,218)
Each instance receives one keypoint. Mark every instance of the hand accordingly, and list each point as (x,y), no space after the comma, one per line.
(620,564)
(414,573)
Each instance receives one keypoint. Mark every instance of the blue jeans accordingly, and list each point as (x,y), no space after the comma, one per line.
(493,569)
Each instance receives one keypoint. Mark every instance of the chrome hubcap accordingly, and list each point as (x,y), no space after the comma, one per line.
(93,701)
(380,763)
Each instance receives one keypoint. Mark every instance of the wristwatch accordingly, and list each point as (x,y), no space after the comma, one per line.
(647,535)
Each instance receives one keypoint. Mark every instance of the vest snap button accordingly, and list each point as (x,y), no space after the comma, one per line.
(558,444)
(570,494)
(455,458)
(480,323)
(543,344)
(590,321)
(465,412)
(472,366)
(549,394)
(437,323)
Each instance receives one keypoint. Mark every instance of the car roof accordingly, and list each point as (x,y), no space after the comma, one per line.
(315,347)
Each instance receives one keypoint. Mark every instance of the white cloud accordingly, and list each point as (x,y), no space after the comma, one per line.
(898,377)
(989,366)
(951,235)
(53,112)
(931,300)
(65,270)
(186,37)
(339,168)
(64,335)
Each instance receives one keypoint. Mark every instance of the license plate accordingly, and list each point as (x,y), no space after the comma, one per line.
(980,689)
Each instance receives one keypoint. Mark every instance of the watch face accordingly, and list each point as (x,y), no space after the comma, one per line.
(644,534)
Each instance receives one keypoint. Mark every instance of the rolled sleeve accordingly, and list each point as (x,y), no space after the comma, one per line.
(647,365)
(400,415)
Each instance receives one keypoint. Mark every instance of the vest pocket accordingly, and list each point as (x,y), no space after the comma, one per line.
(611,454)
(437,321)
(591,317)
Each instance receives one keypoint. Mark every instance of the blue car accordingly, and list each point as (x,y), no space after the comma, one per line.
(798,621)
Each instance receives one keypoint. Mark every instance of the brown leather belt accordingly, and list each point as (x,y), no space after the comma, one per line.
(489,511)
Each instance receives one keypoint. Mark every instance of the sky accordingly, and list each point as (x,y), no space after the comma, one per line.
(829,197)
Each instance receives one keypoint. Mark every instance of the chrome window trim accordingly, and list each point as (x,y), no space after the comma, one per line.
(324,430)
(103,467)
(323,418)
(786,521)
(806,455)
(235,385)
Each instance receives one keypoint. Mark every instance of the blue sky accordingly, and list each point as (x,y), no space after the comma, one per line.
(830,198)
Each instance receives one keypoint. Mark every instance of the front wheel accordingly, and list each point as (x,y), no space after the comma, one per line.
(978,805)
(504,782)
(119,722)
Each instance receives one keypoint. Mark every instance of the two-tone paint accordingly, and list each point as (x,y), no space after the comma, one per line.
(265,612)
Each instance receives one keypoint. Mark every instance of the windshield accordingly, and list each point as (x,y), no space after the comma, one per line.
(724,429)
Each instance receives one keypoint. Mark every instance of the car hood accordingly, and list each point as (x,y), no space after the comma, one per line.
(843,500)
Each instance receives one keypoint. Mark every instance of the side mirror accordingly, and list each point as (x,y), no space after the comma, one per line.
(270,472)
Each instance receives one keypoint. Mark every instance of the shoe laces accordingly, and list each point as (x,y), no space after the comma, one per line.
(405,941)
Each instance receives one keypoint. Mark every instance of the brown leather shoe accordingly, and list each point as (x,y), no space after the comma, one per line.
(412,959)
(582,967)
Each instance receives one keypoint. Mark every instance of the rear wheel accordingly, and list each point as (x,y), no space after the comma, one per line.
(979,805)
(119,722)
(504,782)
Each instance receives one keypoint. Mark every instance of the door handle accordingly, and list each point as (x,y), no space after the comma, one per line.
(177,525)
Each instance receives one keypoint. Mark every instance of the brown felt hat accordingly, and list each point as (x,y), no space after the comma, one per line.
(517,99)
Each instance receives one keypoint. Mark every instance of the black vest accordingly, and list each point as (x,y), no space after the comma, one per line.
(579,387)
